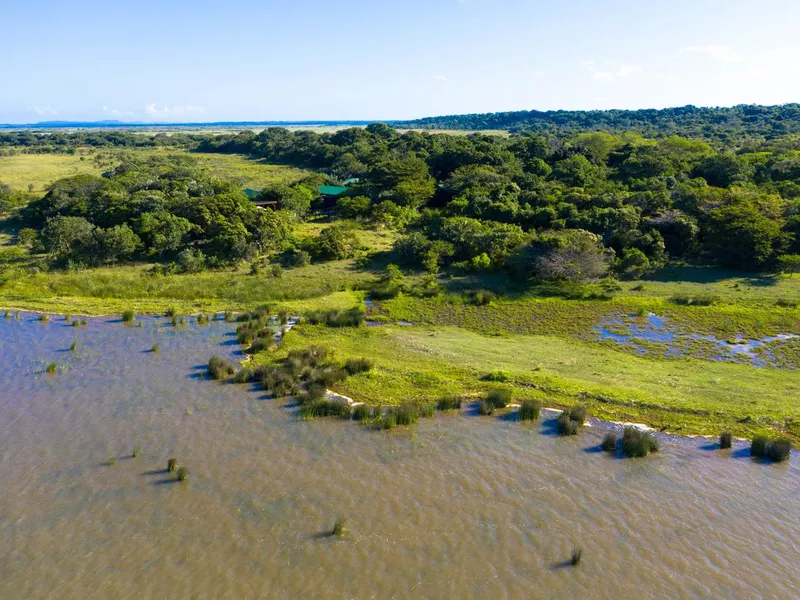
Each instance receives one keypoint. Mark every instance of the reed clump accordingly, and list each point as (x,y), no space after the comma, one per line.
(575,558)
(529,410)
(354,366)
(449,403)
(43,318)
(219,368)
(609,443)
(773,450)
(172,465)
(725,440)
(325,408)
(637,443)
(182,473)
(353,317)
(339,527)
(569,423)
(73,347)
(128,316)
(137,450)
(499,397)
(362,412)
(51,368)
(244,375)
(171,312)
(485,408)
(155,349)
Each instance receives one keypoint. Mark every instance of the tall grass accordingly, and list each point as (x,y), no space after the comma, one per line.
(774,450)
(172,465)
(128,316)
(499,397)
(637,443)
(529,410)
(51,368)
(353,317)
(609,443)
(219,368)
(725,440)
(449,403)
(74,346)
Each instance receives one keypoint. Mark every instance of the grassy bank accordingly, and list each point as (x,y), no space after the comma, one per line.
(685,396)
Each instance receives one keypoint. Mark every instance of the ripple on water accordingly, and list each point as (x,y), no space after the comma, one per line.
(456,507)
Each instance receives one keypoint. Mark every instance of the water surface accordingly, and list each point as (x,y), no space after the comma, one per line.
(457,507)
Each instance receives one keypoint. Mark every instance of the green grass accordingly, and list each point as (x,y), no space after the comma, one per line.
(249,173)
(689,396)
(21,170)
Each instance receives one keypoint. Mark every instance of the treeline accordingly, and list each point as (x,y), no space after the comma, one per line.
(161,208)
(724,124)
(68,142)
(489,202)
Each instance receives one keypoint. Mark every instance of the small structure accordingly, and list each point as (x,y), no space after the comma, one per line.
(331,194)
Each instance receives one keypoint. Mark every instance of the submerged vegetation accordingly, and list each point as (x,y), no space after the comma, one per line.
(637,443)
(219,368)
(776,450)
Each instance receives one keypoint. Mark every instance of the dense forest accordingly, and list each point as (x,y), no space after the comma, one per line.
(724,124)
(547,207)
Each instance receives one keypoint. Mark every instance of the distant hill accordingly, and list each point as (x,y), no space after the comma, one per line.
(748,120)
(138,124)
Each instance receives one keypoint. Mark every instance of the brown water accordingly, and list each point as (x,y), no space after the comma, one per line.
(457,507)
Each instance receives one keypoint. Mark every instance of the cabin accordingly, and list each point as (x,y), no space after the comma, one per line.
(331,194)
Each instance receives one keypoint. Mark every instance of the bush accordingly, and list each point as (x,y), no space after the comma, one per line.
(219,368)
(579,413)
(449,403)
(172,465)
(498,376)
(575,559)
(384,291)
(480,297)
(609,443)
(426,411)
(485,408)
(405,414)
(182,473)
(684,300)
(774,450)
(362,412)
(529,411)
(354,366)
(354,317)
(128,316)
(637,443)
(567,426)
(339,527)
(243,375)
(499,397)
(325,408)
(51,368)
(725,440)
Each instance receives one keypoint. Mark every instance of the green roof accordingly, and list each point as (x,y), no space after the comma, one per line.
(250,193)
(332,190)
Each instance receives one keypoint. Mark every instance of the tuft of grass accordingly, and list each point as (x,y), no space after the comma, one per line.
(449,403)
(637,443)
(388,420)
(774,450)
(182,473)
(325,408)
(244,375)
(354,366)
(43,318)
(174,321)
(499,397)
(428,410)
(137,450)
(339,527)
(67,318)
(485,408)
(172,465)
(84,322)
(128,316)
(579,413)
(703,300)
(171,312)
(609,443)
(111,460)
(725,440)
(74,346)
(530,409)
(155,349)
(51,368)
(405,414)
(219,368)
(498,376)
(362,412)
(7,314)
(575,559)
(566,426)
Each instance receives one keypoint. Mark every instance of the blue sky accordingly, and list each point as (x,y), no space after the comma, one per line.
(175,60)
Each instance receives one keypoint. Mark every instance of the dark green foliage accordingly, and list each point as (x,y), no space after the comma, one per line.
(497,376)
(529,410)
(74,346)
(480,297)
(172,465)
(353,317)
(128,316)
(219,368)
(354,366)
(44,318)
(485,408)
(325,408)
(51,368)
(449,403)
(171,312)
(244,375)
(136,452)
(773,450)
(182,474)
(566,426)
(684,300)
(155,349)
(725,440)
(578,413)
(339,528)
(575,558)
(609,443)
(499,397)
(362,412)
(405,414)
(637,443)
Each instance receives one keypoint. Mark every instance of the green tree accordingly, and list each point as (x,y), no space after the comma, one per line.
(67,237)
(163,232)
(117,243)
(789,263)
(336,242)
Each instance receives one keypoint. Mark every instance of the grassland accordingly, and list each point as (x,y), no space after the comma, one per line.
(40,170)
(686,396)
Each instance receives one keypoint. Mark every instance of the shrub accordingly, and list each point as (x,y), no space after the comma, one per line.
(609,443)
(73,346)
(111,460)
(155,349)
(172,465)
(567,426)
(51,368)
(362,412)
(182,473)
(325,408)
(774,450)
(480,297)
(575,559)
(171,312)
(426,411)
(579,413)
(758,446)
(405,414)
(136,452)
(485,408)
(637,443)
(449,403)
(497,376)
(353,366)
(339,527)
(499,397)
(128,316)
(529,411)
(243,375)
(44,318)
(354,317)
(725,440)
(384,291)
(219,368)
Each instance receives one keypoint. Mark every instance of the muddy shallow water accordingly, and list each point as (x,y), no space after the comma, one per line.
(457,507)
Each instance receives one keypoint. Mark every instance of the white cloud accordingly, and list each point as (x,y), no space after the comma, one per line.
(609,71)
(172,112)
(43,110)
(116,112)
(438,77)
(720,53)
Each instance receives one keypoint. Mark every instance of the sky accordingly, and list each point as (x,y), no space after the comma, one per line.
(197,61)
